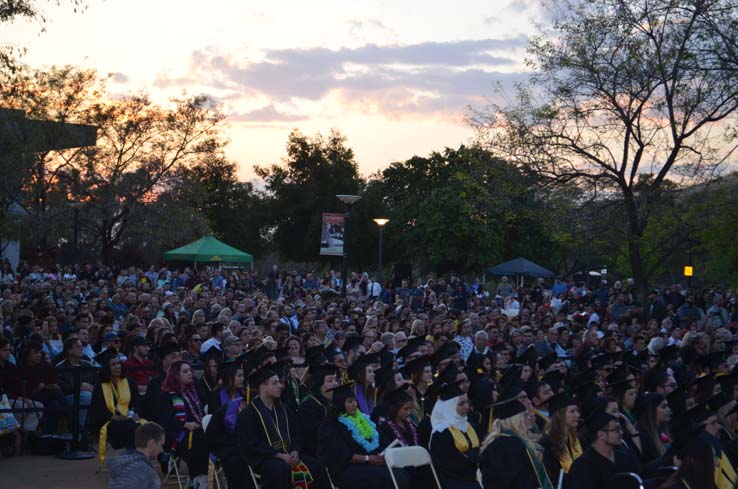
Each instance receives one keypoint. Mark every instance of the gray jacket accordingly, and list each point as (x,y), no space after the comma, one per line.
(131,469)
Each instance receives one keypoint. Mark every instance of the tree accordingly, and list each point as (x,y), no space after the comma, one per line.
(235,210)
(622,89)
(462,210)
(140,148)
(315,171)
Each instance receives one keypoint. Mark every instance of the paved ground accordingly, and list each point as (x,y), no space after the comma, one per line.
(36,472)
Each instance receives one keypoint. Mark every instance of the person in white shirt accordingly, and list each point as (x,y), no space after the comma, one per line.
(216,337)
(374,289)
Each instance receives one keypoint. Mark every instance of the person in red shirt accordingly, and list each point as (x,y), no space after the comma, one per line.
(139,359)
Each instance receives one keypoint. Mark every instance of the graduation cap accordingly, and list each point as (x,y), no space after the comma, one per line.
(560,401)
(103,358)
(508,409)
(281,353)
(443,353)
(598,421)
(712,360)
(554,378)
(319,372)
(669,353)
(412,346)
(511,374)
(500,347)
(646,402)
(331,354)
(383,376)
(261,375)
(545,362)
(314,355)
(511,392)
(356,370)
(656,377)
(677,400)
(371,359)
(600,361)
(415,366)
(341,393)
(529,356)
(398,397)
(450,390)
(353,341)
(211,353)
(727,382)
(167,349)
(705,386)
(531,387)
(719,400)
(698,415)
(262,354)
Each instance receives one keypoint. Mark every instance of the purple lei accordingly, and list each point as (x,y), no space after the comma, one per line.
(399,433)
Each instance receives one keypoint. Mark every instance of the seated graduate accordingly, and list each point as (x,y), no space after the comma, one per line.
(115,404)
(348,444)
(223,442)
(388,380)
(231,386)
(603,459)
(653,414)
(421,376)
(695,458)
(269,441)
(704,425)
(362,373)
(316,407)
(560,442)
(181,410)
(454,444)
(166,355)
(510,459)
(482,390)
(211,360)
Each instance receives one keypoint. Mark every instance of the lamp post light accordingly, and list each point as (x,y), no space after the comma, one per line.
(349,200)
(380,221)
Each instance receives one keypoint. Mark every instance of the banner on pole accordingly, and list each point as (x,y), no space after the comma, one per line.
(331,236)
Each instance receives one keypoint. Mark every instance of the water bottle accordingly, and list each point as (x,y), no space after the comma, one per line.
(131,414)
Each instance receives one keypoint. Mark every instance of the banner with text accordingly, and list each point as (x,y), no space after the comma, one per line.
(331,236)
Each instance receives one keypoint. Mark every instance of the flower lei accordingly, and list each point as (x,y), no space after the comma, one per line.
(363,430)
(400,437)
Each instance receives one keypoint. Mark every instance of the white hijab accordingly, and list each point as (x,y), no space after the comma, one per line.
(444,416)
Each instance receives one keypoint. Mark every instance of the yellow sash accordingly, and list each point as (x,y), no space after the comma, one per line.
(725,476)
(122,393)
(460,441)
(573,452)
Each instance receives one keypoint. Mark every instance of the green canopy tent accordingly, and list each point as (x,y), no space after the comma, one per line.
(208,249)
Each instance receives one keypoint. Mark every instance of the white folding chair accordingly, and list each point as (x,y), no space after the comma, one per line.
(330,479)
(402,457)
(173,468)
(254,477)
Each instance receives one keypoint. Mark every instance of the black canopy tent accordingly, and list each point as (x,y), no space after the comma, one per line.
(520,267)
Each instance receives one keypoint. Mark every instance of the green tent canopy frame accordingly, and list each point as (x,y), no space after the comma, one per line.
(208,249)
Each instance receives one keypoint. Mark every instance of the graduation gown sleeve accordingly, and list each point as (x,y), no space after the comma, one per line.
(335,447)
(251,438)
(449,462)
(505,465)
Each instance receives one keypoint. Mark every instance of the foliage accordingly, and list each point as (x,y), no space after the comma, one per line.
(621,88)
(299,191)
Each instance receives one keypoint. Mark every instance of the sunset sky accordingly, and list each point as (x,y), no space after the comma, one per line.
(395,77)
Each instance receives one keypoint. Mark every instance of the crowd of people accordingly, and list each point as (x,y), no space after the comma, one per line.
(550,385)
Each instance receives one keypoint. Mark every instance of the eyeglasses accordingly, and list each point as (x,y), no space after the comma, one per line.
(196,340)
(616,429)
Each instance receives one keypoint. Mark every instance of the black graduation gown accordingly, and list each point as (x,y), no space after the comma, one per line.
(313,411)
(120,433)
(505,465)
(594,470)
(336,448)
(455,469)
(150,400)
(224,445)
(194,454)
(255,427)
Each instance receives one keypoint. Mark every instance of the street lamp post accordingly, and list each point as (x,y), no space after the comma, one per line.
(75,241)
(349,200)
(380,221)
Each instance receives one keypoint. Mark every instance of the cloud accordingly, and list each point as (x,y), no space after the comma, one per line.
(268,113)
(430,77)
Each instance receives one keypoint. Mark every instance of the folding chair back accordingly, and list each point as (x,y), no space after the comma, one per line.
(402,457)
(628,480)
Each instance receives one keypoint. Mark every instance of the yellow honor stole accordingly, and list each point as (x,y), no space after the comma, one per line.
(462,444)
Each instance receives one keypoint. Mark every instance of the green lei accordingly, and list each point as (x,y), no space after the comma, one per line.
(361,423)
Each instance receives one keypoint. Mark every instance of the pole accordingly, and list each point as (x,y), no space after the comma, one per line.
(344,265)
(379,261)
(74,452)
(76,235)
(689,279)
